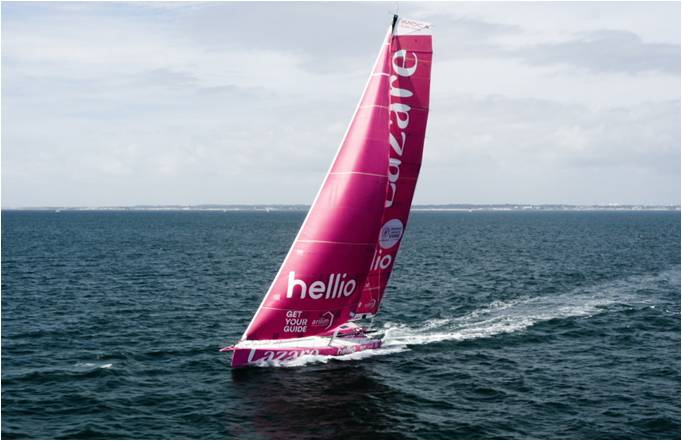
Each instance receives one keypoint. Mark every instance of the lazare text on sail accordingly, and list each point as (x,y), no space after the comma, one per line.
(404,65)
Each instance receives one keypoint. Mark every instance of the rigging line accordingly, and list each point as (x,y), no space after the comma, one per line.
(364,244)
(352,172)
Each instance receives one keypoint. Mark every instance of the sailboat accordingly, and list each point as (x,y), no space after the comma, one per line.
(334,276)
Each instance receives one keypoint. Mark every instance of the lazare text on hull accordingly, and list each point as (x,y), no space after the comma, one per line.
(338,266)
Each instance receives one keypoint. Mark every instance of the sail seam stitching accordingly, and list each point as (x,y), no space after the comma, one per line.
(335,242)
(367,106)
(288,309)
(359,173)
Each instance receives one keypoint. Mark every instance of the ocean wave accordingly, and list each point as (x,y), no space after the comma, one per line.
(94,365)
(516,315)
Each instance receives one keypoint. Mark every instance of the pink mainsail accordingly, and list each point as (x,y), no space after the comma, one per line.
(410,70)
(367,191)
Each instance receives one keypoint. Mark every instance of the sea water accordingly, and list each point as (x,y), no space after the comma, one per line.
(496,325)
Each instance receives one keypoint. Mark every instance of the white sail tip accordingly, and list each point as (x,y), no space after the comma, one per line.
(406,26)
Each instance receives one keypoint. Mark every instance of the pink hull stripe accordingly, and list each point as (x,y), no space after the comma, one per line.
(251,356)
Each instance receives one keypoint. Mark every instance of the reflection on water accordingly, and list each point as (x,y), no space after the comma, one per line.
(336,400)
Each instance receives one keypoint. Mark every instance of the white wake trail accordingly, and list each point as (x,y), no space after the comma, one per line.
(516,315)
(501,317)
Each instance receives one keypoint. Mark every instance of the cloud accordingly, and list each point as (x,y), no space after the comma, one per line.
(117,103)
(496,149)
(543,22)
(601,50)
(533,134)
(607,51)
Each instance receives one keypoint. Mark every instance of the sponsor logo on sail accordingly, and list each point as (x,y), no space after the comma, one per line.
(391,233)
(404,64)
(414,25)
(336,287)
(325,320)
(380,261)
(294,322)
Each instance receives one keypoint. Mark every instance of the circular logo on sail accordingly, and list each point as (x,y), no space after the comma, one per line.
(391,233)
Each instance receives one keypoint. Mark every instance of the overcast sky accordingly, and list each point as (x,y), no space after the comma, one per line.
(194,103)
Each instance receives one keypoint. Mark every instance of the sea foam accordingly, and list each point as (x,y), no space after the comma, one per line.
(503,317)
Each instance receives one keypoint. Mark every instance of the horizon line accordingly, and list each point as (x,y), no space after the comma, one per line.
(301,207)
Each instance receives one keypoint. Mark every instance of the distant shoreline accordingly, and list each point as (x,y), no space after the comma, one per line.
(444,207)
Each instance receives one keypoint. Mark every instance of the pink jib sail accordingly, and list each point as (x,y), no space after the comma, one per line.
(409,81)
(320,279)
